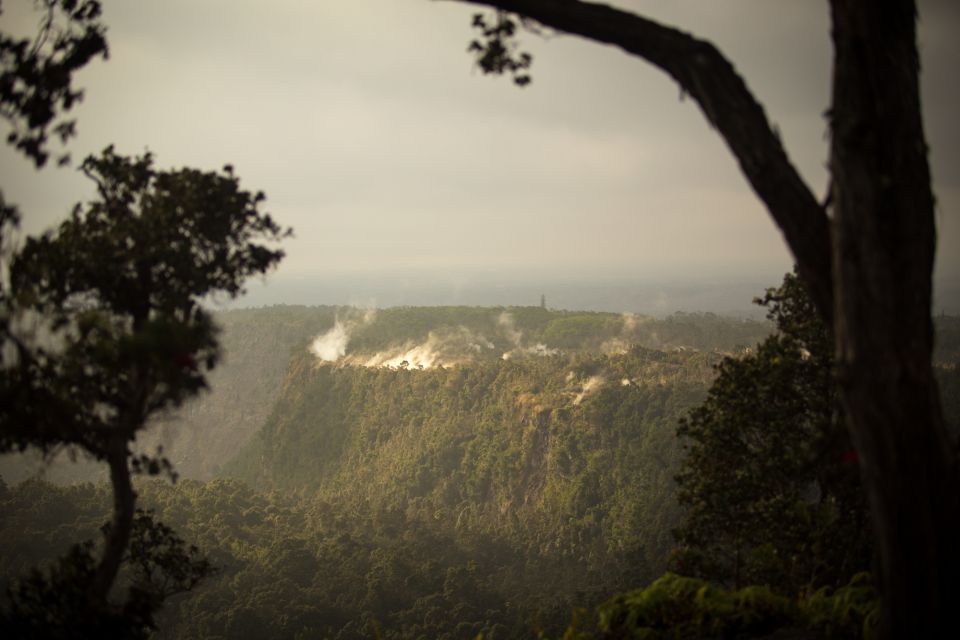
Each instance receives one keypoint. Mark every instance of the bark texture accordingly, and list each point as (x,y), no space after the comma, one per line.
(869,269)
(884,240)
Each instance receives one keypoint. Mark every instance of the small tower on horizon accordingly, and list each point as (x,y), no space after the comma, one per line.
(543,301)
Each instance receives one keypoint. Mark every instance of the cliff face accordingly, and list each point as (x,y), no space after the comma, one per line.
(574,454)
(258,345)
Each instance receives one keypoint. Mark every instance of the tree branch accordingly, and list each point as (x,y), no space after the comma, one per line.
(711,80)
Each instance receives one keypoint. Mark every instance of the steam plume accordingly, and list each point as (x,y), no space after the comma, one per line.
(332,345)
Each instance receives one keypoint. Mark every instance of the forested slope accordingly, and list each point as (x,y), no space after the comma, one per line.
(259,343)
(488,498)
(434,473)
(558,449)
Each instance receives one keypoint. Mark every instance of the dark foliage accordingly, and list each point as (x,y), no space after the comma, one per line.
(36,74)
(56,603)
(115,291)
(494,52)
(769,478)
(101,330)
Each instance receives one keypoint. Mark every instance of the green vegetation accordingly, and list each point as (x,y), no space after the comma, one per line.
(489,497)
(675,607)
(496,496)
(769,479)
(536,447)
(458,472)
(91,354)
(102,331)
(257,345)
(865,253)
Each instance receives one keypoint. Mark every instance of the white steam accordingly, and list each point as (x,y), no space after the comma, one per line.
(442,348)
(509,329)
(514,336)
(332,345)
(418,356)
(538,349)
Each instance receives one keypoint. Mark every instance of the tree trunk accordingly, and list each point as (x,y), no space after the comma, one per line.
(713,83)
(869,269)
(884,241)
(118,534)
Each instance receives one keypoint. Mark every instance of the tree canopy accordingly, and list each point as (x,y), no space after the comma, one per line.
(769,477)
(36,74)
(103,327)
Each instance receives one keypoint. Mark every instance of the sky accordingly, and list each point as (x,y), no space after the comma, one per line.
(401,168)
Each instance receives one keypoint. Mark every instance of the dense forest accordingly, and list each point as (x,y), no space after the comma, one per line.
(258,343)
(468,472)
(421,472)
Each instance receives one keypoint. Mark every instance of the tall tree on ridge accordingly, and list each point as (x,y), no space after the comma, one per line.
(866,255)
(115,293)
(101,326)
(768,478)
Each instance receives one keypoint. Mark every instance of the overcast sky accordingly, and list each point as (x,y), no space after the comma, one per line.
(374,137)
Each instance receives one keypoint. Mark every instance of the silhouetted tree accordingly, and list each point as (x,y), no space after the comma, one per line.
(867,264)
(36,73)
(55,604)
(103,328)
(768,478)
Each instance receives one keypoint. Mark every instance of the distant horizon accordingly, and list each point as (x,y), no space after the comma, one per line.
(728,294)
(374,136)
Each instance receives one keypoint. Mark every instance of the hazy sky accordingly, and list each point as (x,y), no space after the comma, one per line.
(373,136)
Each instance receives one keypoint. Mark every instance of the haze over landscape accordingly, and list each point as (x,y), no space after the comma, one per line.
(534,362)
(410,178)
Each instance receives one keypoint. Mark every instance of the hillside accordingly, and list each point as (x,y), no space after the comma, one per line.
(485,498)
(557,449)
(419,472)
(259,343)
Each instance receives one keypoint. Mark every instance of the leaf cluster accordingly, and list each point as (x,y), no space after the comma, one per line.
(102,330)
(36,74)
(675,607)
(55,603)
(116,292)
(769,479)
(161,563)
(169,238)
(494,51)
